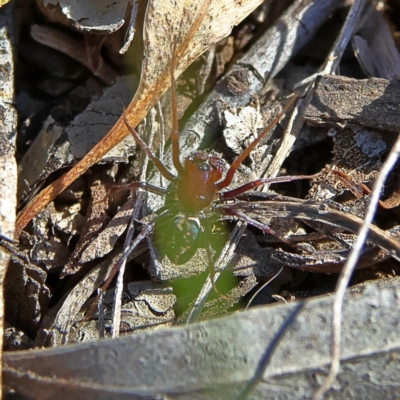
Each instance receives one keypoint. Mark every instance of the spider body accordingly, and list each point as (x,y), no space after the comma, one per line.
(180,229)
(196,188)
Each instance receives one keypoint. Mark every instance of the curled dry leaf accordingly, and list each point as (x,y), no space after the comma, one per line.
(194,27)
(103,16)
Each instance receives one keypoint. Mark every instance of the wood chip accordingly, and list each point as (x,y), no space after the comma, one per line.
(372,103)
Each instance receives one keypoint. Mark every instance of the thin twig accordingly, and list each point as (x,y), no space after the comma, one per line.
(346,33)
(335,55)
(130,33)
(263,286)
(116,310)
(292,129)
(100,312)
(350,266)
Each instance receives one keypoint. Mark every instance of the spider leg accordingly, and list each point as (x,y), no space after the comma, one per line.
(135,185)
(175,126)
(250,221)
(158,163)
(358,189)
(230,194)
(207,233)
(142,185)
(212,267)
(234,166)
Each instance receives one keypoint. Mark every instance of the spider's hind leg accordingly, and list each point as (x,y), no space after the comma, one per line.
(212,259)
(143,185)
(212,274)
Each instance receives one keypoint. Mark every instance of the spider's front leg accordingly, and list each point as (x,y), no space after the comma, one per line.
(142,185)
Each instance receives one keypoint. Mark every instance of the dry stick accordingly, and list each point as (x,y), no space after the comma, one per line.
(146,230)
(289,136)
(329,67)
(161,140)
(100,311)
(163,181)
(350,266)
(116,311)
(332,62)
(130,33)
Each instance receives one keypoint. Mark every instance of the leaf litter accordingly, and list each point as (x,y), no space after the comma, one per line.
(323,235)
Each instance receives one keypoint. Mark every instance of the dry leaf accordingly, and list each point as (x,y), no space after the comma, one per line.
(104,16)
(215,359)
(48,154)
(194,27)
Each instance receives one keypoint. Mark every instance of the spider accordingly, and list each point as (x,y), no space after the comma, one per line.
(193,196)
